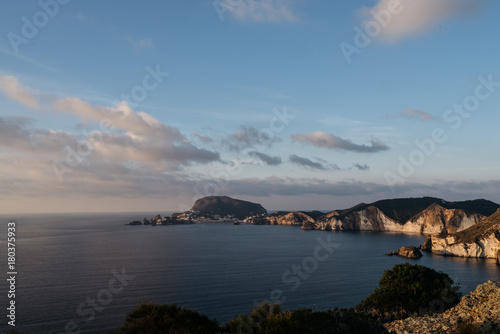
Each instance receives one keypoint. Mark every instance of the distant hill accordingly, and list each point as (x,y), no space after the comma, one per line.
(226,206)
(399,209)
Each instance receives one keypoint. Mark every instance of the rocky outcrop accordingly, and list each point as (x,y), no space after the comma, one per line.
(223,206)
(135,222)
(438,219)
(282,218)
(481,240)
(478,312)
(410,252)
(411,215)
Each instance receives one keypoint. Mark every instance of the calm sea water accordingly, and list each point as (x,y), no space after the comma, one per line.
(65,261)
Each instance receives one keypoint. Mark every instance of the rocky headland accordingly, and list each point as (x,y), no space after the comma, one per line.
(481,240)
(478,312)
(425,215)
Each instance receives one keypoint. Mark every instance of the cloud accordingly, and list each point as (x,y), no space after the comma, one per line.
(140,136)
(417,17)
(13,89)
(307,162)
(283,186)
(121,116)
(249,137)
(269,160)
(263,11)
(410,113)
(321,139)
(19,137)
(203,139)
(361,167)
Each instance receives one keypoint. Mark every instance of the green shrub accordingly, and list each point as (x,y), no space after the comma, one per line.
(154,318)
(267,319)
(407,289)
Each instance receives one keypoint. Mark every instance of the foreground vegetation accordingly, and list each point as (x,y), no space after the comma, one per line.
(405,290)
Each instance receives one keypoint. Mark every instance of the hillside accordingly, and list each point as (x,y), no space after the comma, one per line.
(424,215)
(478,312)
(226,206)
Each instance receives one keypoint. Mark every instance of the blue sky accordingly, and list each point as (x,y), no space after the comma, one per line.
(298,104)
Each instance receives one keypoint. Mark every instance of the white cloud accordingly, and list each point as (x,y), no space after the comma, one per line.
(13,89)
(139,137)
(264,11)
(417,17)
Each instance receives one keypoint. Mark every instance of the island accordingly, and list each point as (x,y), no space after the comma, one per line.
(461,228)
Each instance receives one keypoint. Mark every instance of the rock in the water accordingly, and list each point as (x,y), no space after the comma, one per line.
(410,252)
(135,222)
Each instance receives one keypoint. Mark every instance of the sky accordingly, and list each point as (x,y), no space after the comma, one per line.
(295,104)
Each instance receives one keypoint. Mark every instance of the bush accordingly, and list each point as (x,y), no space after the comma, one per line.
(154,318)
(267,319)
(407,289)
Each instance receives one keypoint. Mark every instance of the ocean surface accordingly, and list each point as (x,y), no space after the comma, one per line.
(66,262)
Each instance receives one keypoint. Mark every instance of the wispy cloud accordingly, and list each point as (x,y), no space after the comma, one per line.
(267,159)
(418,17)
(305,162)
(326,140)
(362,167)
(13,89)
(248,137)
(415,114)
(202,138)
(263,10)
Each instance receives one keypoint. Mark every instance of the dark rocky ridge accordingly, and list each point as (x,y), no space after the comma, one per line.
(403,209)
(424,215)
(227,206)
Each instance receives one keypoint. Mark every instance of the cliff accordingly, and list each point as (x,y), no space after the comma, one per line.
(479,240)
(411,215)
(478,312)
(223,206)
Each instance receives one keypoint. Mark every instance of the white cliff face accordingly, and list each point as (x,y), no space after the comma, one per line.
(480,240)
(487,247)
(431,221)
(469,220)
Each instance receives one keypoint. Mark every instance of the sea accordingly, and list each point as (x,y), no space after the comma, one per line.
(83,273)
